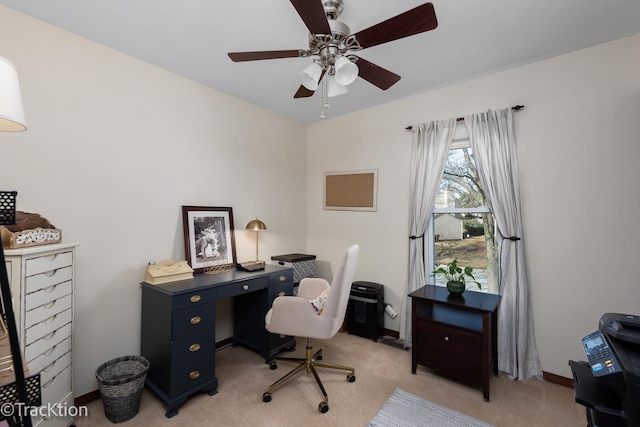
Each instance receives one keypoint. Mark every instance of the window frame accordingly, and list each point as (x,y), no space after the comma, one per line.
(460,140)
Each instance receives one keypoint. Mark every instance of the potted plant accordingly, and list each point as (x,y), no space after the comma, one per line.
(456,276)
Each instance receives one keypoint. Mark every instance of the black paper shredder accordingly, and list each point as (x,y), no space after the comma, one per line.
(365,312)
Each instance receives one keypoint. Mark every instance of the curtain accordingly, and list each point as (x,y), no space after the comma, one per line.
(431,142)
(493,143)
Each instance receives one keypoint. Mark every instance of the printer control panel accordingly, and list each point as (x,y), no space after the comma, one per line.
(601,358)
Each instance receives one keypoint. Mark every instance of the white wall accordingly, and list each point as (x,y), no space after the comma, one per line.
(579,151)
(114,148)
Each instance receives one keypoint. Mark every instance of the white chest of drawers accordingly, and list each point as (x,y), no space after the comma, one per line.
(42,283)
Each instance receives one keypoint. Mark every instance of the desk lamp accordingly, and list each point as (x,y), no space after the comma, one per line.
(257,225)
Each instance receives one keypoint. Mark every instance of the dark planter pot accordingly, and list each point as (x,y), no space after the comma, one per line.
(455,288)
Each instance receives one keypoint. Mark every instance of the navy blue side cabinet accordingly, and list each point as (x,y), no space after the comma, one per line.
(178,327)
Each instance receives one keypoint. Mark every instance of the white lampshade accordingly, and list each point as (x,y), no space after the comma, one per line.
(11,112)
(311,75)
(334,88)
(346,71)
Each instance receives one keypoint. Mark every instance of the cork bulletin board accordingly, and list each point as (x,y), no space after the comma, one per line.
(351,190)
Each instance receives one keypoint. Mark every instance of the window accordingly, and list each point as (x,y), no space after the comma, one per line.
(462,226)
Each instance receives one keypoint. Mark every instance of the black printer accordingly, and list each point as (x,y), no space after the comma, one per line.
(608,384)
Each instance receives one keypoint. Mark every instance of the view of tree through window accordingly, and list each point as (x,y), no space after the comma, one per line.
(463,226)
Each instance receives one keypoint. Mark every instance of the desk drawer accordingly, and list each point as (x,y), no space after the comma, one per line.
(48,263)
(239,288)
(285,276)
(191,368)
(193,320)
(193,299)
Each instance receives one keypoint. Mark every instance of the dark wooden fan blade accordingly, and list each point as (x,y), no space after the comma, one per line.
(375,74)
(312,13)
(265,54)
(303,92)
(412,22)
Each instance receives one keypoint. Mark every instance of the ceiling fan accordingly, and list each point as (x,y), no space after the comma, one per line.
(332,44)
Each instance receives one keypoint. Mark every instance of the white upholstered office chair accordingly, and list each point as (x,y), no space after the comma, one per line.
(299,317)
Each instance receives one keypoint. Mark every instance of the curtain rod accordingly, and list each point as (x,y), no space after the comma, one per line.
(459,119)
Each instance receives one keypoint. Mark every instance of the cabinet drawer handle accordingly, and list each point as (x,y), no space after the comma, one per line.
(281,294)
(195,298)
(49,366)
(446,338)
(50,304)
(194,347)
(194,374)
(49,289)
(282,278)
(195,320)
(51,273)
(245,287)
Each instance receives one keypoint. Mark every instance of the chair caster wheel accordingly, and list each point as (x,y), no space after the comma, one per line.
(266,397)
(323,407)
(351,378)
(273,366)
(319,357)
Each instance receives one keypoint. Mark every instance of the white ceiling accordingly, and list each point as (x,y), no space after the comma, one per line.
(473,38)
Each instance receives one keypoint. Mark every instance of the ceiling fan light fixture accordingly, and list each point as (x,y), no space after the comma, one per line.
(346,71)
(334,88)
(310,76)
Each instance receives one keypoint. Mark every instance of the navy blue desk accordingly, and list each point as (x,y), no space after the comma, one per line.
(178,327)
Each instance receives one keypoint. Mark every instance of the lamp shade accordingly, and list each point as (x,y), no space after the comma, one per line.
(256,225)
(346,71)
(334,88)
(11,112)
(309,76)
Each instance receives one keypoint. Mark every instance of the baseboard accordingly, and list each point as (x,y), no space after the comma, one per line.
(390,333)
(557,379)
(86,398)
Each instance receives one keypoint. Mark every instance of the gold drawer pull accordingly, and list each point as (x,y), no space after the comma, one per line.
(282,278)
(281,294)
(195,298)
(195,320)
(194,374)
(194,347)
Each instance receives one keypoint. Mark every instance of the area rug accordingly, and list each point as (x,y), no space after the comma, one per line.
(404,409)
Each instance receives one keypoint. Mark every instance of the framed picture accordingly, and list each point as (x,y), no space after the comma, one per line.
(208,237)
(351,190)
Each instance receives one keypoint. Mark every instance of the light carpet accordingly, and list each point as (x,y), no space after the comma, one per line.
(404,409)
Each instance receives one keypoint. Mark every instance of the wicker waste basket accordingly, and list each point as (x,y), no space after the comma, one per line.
(121,382)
